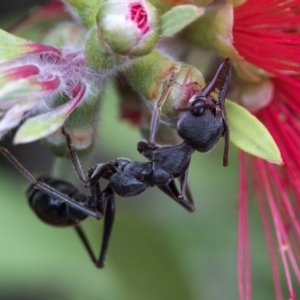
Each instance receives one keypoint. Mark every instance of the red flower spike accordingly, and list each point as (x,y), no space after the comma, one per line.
(244,264)
(278,190)
(267,35)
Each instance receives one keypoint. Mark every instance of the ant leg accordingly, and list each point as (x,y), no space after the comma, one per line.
(107,197)
(60,196)
(96,193)
(227,141)
(157,110)
(167,191)
(85,242)
(74,157)
(95,174)
(171,190)
(98,170)
(105,203)
(46,188)
(223,90)
(185,190)
(147,149)
(179,197)
(221,103)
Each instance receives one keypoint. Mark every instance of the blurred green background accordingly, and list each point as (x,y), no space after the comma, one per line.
(157,250)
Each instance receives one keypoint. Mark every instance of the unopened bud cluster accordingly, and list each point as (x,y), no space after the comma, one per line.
(45,87)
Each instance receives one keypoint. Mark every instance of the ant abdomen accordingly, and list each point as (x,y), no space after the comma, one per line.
(52,210)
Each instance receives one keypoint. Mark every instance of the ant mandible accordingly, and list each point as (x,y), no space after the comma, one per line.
(59,203)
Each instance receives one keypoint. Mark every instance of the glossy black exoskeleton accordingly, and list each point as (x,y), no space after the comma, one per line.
(52,210)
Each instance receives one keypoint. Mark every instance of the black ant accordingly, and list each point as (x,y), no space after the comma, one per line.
(59,203)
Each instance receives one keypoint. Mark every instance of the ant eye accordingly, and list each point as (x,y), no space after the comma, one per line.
(198,108)
(197,112)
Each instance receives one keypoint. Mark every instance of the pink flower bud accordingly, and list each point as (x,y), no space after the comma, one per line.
(130,27)
(42,86)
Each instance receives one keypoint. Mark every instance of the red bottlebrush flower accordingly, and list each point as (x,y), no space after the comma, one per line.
(278,192)
(266,34)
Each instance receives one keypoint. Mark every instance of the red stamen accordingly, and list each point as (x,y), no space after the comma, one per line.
(139,16)
(280,186)
(259,185)
(244,263)
(267,35)
(278,224)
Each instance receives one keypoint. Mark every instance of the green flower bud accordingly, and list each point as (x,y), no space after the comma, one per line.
(130,27)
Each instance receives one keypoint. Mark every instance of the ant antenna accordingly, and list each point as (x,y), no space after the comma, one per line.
(157,111)
(222,97)
(74,158)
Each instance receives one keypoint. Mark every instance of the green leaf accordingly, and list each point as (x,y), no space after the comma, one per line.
(178,18)
(97,55)
(250,135)
(40,126)
(86,11)
(11,46)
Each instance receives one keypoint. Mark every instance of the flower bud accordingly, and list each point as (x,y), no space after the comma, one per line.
(163,73)
(21,88)
(253,95)
(130,27)
(44,88)
(82,140)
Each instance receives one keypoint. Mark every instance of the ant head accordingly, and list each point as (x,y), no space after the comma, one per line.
(203,122)
(201,125)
